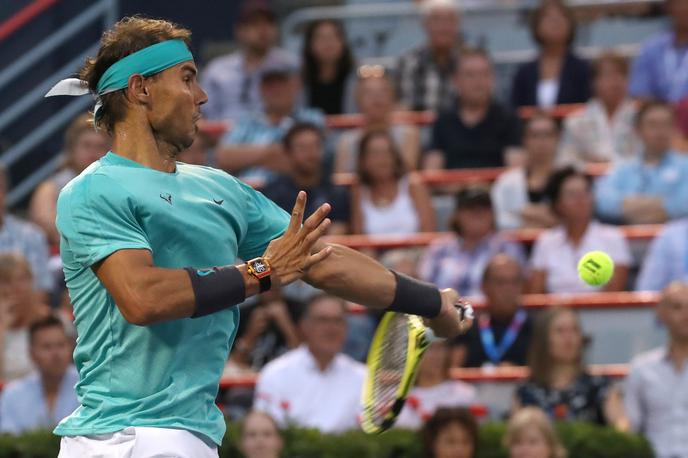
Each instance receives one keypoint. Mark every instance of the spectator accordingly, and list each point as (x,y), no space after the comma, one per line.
(376,101)
(656,385)
(328,67)
(269,332)
(434,389)
(659,71)
(424,74)
(519,194)
(83,145)
(504,330)
(21,306)
(559,384)
(315,385)
(255,141)
(557,251)
(557,75)
(477,131)
(666,259)
(232,81)
(387,199)
(23,237)
(602,131)
(260,436)
(450,433)
(530,434)
(42,399)
(303,147)
(459,260)
(654,187)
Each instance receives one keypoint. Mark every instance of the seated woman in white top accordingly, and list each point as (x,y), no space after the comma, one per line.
(387,200)
(83,145)
(434,389)
(376,101)
(557,251)
(604,129)
(518,195)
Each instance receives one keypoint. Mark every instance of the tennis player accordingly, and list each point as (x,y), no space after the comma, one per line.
(149,247)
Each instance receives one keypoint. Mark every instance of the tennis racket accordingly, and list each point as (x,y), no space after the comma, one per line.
(393,359)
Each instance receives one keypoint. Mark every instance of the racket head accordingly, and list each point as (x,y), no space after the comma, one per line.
(393,359)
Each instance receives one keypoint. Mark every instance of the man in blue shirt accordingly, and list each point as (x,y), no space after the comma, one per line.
(43,398)
(253,146)
(149,247)
(653,188)
(660,71)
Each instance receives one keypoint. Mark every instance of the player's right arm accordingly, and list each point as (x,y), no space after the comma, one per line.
(146,294)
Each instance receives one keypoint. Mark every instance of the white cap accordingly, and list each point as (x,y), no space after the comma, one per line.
(430,6)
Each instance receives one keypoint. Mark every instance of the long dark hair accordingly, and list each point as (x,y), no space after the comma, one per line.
(345,64)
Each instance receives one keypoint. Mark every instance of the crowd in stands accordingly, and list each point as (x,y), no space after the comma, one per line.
(308,349)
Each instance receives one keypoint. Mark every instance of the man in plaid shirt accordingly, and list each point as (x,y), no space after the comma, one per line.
(424,75)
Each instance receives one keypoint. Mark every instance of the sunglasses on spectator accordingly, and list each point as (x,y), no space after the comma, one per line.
(371,71)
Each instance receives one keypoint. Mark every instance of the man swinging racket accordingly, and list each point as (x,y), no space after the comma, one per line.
(149,245)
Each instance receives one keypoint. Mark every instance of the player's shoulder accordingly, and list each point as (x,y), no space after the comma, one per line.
(95,180)
(209,173)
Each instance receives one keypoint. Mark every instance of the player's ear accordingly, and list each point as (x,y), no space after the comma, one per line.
(138,90)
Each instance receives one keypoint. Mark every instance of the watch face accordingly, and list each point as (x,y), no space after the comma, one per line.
(259,267)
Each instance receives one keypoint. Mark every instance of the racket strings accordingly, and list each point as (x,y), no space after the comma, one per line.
(390,368)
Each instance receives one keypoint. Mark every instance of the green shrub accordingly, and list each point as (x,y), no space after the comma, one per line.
(582,441)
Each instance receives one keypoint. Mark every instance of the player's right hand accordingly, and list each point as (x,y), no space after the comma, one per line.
(290,255)
(448,324)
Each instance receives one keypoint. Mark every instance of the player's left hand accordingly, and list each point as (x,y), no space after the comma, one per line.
(290,255)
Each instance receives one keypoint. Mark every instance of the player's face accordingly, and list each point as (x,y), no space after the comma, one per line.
(565,338)
(324,328)
(531,443)
(51,351)
(260,438)
(305,153)
(176,99)
(453,441)
(442,28)
(89,147)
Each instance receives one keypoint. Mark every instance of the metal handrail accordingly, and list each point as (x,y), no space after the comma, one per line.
(305,15)
(105,9)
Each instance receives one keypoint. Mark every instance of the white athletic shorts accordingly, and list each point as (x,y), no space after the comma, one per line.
(138,442)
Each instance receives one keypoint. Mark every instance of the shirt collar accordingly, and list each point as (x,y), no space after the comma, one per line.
(311,364)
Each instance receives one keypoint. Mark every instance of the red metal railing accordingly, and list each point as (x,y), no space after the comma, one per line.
(23,16)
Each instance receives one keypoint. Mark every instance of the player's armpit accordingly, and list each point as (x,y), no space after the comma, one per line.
(143,293)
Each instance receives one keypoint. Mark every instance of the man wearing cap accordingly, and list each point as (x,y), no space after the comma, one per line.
(424,74)
(149,248)
(232,81)
(253,146)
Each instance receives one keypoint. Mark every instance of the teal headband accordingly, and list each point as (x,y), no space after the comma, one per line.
(146,62)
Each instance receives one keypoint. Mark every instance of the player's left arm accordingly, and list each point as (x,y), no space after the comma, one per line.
(358,278)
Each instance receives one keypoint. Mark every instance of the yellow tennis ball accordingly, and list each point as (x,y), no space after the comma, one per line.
(596,268)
